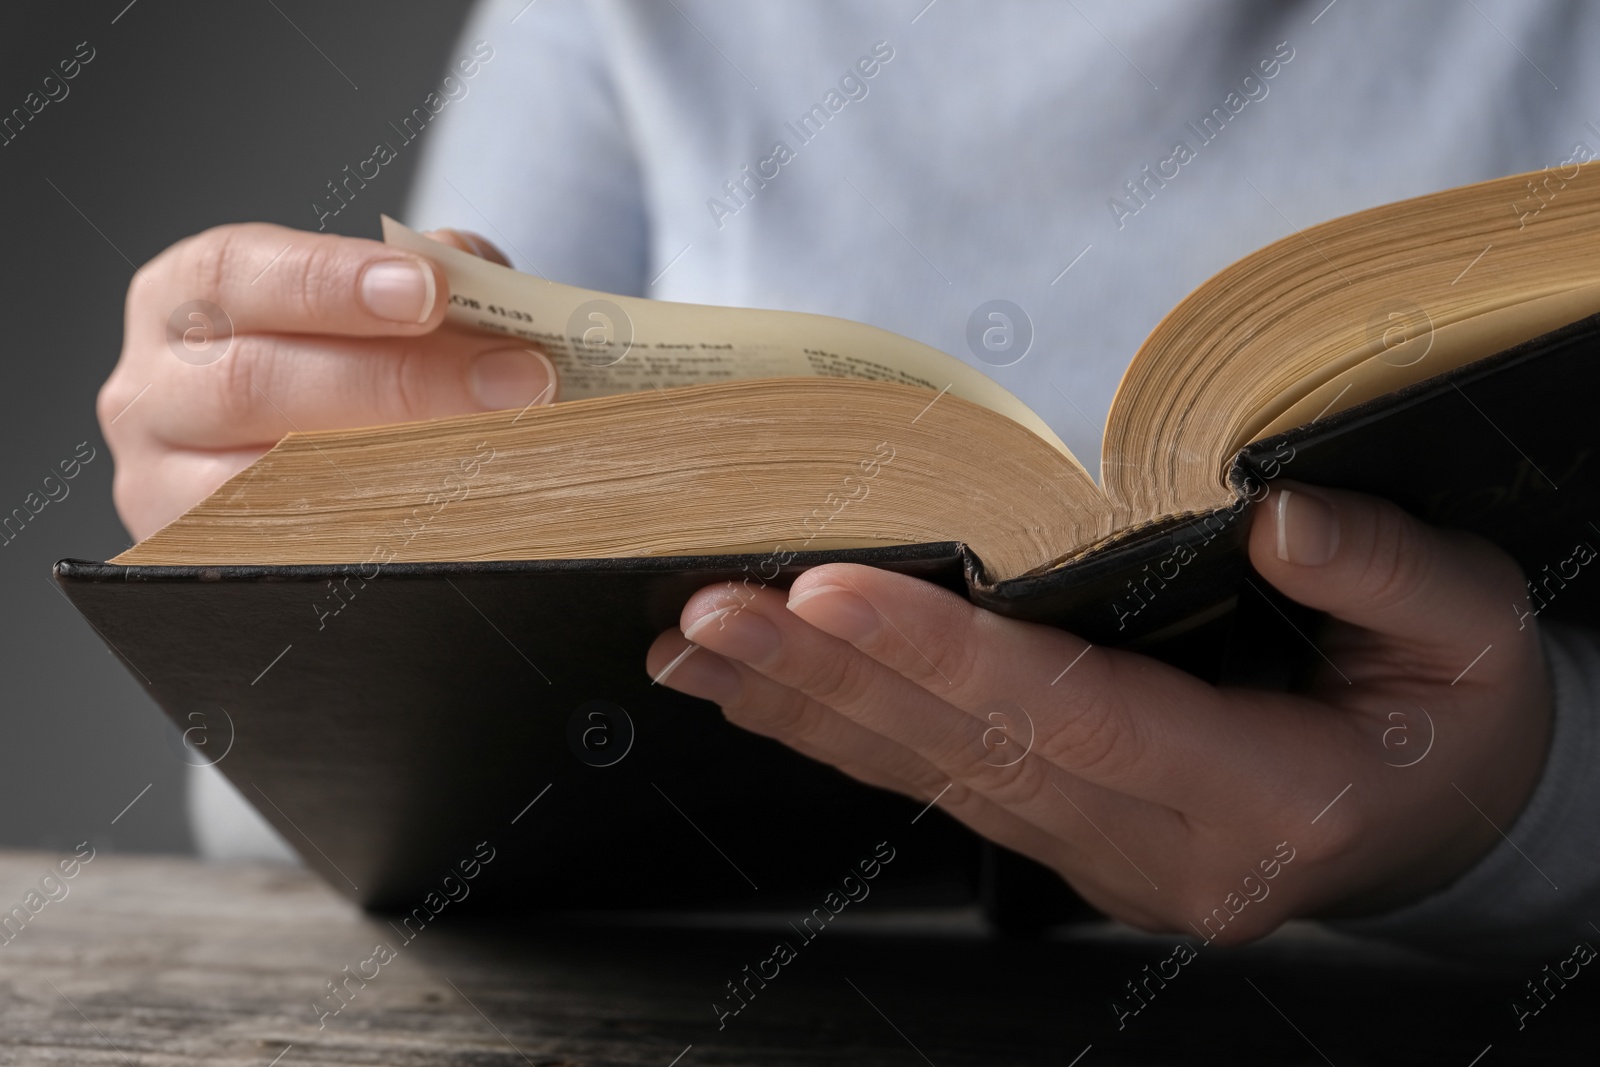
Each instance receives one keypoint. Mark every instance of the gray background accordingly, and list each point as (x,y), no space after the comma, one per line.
(190,114)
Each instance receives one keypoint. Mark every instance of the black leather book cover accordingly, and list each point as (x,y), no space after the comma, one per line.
(387,721)
(385,740)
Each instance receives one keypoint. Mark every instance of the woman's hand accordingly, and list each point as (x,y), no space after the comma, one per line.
(1166,802)
(238,335)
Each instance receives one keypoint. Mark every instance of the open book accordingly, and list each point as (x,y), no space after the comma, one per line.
(683,429)
(401,636)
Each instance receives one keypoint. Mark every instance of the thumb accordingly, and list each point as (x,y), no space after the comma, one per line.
(1365,561)
(471,243)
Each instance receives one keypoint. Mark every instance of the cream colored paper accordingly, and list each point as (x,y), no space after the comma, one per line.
(604,344)
(1433,351)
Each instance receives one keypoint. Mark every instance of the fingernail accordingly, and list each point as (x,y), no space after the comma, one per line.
(511,378)
(481,248)
(707,676)
(1308,529)
(836,610)
(399,290)
(474,244)
(736,633)
(674,664)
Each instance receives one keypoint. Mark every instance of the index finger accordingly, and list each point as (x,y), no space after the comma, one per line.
(272,279)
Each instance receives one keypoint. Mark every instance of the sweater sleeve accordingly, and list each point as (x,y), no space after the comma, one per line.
(1535,892)
(538,156)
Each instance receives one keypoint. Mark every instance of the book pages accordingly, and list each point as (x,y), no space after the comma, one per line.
(603,344)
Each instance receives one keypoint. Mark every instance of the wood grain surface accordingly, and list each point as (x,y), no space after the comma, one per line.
(158,961)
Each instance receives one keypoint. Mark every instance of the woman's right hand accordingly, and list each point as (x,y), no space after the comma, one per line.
(239,335)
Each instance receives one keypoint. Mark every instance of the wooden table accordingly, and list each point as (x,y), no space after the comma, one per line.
(157,961)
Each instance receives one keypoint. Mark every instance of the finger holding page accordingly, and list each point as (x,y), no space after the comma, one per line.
(275,383)
(242,334)
(472,243)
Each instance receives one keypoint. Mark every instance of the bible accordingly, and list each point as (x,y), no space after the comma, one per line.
(413,629)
